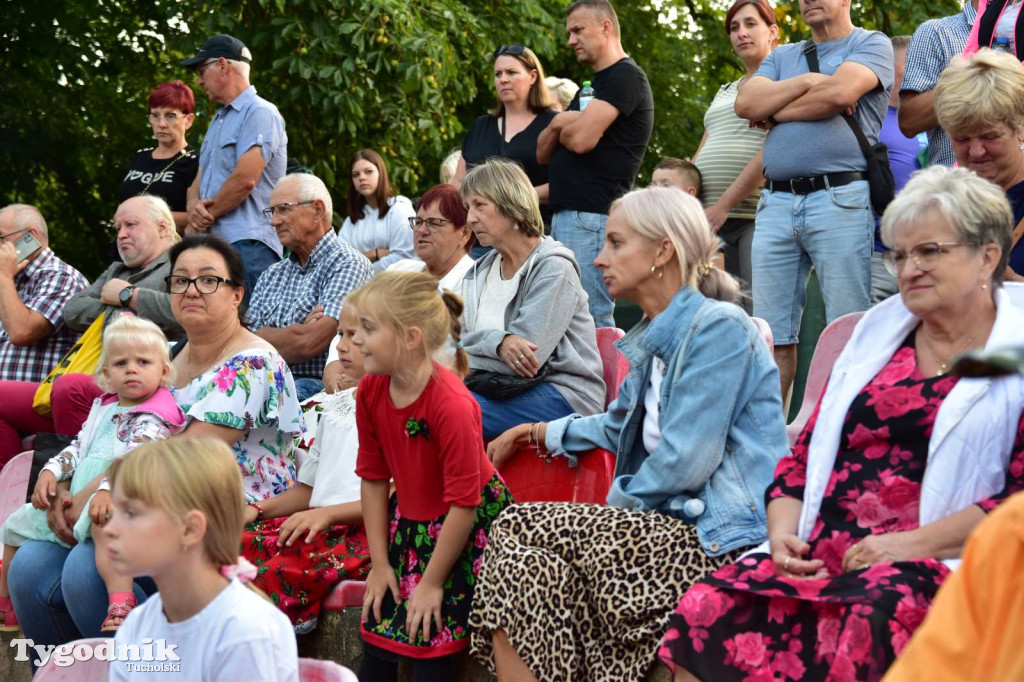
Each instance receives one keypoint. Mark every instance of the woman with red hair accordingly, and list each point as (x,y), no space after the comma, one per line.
(167,169)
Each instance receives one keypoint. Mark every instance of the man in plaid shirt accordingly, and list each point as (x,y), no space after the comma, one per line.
(298,300)
(934,44)
(33,337)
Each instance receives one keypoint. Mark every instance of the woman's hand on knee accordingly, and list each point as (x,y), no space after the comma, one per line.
(787,552)
(378,582)
(56,516)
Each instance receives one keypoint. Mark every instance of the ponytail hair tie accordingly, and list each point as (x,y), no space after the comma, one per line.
(458,344)
(440,290)
(704,269)
(242,571)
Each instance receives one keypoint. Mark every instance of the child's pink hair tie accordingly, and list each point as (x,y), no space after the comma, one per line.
(243,571)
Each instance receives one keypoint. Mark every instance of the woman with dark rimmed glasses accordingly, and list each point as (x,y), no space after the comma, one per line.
(511,129)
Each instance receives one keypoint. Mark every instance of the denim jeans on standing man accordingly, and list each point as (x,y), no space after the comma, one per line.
(583,234)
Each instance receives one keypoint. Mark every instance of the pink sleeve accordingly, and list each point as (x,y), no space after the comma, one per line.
(972,42)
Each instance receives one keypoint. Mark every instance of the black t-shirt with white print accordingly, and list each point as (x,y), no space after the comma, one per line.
(168,179)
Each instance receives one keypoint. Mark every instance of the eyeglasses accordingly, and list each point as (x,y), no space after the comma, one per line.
(284,209)
(205,284)
(170,118)
(4,236)
(201,69)
(433,224)
(513,50)
(925,256)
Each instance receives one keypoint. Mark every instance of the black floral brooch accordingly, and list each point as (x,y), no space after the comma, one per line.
(417,427)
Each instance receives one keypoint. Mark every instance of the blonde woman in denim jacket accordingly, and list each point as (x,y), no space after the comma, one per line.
(584,592)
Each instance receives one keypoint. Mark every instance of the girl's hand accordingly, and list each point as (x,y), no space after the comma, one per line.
(504,446)
(424,606)
(787,550)
(101,508)
(517,353)
(45,491)
(380,580)
(876,549)
(311,521)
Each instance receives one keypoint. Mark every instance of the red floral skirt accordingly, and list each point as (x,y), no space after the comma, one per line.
(297,578)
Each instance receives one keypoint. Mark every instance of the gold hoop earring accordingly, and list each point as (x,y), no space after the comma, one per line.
(656,273)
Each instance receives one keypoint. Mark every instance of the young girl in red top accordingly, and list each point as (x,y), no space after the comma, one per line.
(420,426)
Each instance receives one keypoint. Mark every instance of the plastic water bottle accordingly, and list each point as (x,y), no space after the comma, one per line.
(586,94)
(1000,45)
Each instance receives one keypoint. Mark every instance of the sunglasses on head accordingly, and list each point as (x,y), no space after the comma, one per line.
(513,50)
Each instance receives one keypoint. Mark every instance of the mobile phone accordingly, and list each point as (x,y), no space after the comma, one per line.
(27,244)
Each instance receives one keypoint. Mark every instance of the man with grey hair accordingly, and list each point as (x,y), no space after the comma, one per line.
(244,154)
(35,285)
(297,301)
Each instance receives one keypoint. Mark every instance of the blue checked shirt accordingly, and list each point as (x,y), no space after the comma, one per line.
(44,286)
(287,291)
(934,44)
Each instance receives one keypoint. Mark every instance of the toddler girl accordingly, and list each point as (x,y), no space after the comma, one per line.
(135,369)
(179,517)
(302,556)
(418,425)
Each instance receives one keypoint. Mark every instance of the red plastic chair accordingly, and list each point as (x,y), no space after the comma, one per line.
(316,670)
(531,479)
(347,593)
(830,344)
(92,670)
(615,367)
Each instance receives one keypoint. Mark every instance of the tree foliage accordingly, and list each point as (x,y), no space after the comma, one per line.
(405,77)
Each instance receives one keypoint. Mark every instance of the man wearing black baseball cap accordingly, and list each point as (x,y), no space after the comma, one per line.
(243,155)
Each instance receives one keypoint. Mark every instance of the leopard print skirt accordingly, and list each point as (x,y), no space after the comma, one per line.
(584,591)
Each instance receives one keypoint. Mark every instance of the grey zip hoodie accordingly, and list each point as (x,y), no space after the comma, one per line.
(549,310)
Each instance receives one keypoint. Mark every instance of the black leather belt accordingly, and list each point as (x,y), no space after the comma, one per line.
(815,183)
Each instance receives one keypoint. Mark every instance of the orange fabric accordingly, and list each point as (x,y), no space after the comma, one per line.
(975,628)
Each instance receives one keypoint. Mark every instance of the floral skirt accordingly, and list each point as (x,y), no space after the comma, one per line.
(411,544)
(746,624)
(297,578)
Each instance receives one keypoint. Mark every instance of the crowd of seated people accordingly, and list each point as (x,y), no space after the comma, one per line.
(350,390)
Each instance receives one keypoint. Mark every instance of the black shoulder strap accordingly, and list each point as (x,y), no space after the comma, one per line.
(810,51)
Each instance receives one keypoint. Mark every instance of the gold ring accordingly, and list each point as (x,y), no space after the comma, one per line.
(785,566)
(522,356)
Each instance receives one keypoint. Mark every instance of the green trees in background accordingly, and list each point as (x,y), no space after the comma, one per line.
(404,77)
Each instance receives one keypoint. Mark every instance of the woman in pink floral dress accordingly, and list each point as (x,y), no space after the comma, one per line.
(899,462)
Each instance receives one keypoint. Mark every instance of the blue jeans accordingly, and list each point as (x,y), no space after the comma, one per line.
(583,234)
(833,231)
(256,257)
(58,594)
(541,403)
(307,387)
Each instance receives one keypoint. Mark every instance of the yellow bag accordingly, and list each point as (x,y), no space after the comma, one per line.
(83,358)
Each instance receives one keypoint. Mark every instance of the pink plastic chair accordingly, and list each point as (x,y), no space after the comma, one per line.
(79,671)
(316,670)
(615,367)
(14,484)
(766,331)
(830,344)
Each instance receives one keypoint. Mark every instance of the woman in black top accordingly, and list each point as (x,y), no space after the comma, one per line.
(168,169)
(511,130)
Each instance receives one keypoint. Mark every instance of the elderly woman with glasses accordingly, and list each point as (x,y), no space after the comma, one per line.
(900,461)
(168,169)
(511,129)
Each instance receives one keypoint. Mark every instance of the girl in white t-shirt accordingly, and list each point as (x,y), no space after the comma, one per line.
(179,516)
(310,537)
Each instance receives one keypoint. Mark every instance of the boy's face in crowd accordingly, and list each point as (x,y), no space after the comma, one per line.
(673,177)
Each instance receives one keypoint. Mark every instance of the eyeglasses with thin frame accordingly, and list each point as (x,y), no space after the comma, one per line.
(201,69)
(205,284)
(170,118)
(5,235)
(284,209)
(433,224)
(514,50)
(925,256)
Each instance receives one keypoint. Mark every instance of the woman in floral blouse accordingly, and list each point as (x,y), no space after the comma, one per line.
(898,464)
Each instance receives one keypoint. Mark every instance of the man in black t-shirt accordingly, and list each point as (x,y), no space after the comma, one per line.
(594,153)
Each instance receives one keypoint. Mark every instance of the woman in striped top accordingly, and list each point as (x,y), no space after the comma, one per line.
(729,154)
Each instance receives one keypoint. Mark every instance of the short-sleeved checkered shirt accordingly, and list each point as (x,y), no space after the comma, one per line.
(44,286)
(934,44)
(287,291)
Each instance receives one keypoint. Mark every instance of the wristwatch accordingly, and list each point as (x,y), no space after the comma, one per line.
(126,296)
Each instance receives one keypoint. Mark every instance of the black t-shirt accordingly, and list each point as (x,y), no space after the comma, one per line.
(591,182)
(168,179)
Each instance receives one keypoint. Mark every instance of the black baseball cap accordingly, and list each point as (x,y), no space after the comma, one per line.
(221,45)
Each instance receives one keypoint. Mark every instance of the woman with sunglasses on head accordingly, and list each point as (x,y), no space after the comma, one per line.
(511,129)
(168,169)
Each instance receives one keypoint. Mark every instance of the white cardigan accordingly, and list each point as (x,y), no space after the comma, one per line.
(975,427)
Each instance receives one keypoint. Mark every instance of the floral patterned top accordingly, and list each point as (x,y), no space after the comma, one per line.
(252,390)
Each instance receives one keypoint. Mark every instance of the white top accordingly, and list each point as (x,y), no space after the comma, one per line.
(1006,26)
(495,298)
(330,467)
(238,636)
(452,280)
(652,405)
(392,232)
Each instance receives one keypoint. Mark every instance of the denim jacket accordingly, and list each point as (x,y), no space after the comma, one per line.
(722,429)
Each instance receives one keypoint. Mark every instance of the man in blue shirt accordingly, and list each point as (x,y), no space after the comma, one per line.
(244,154)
